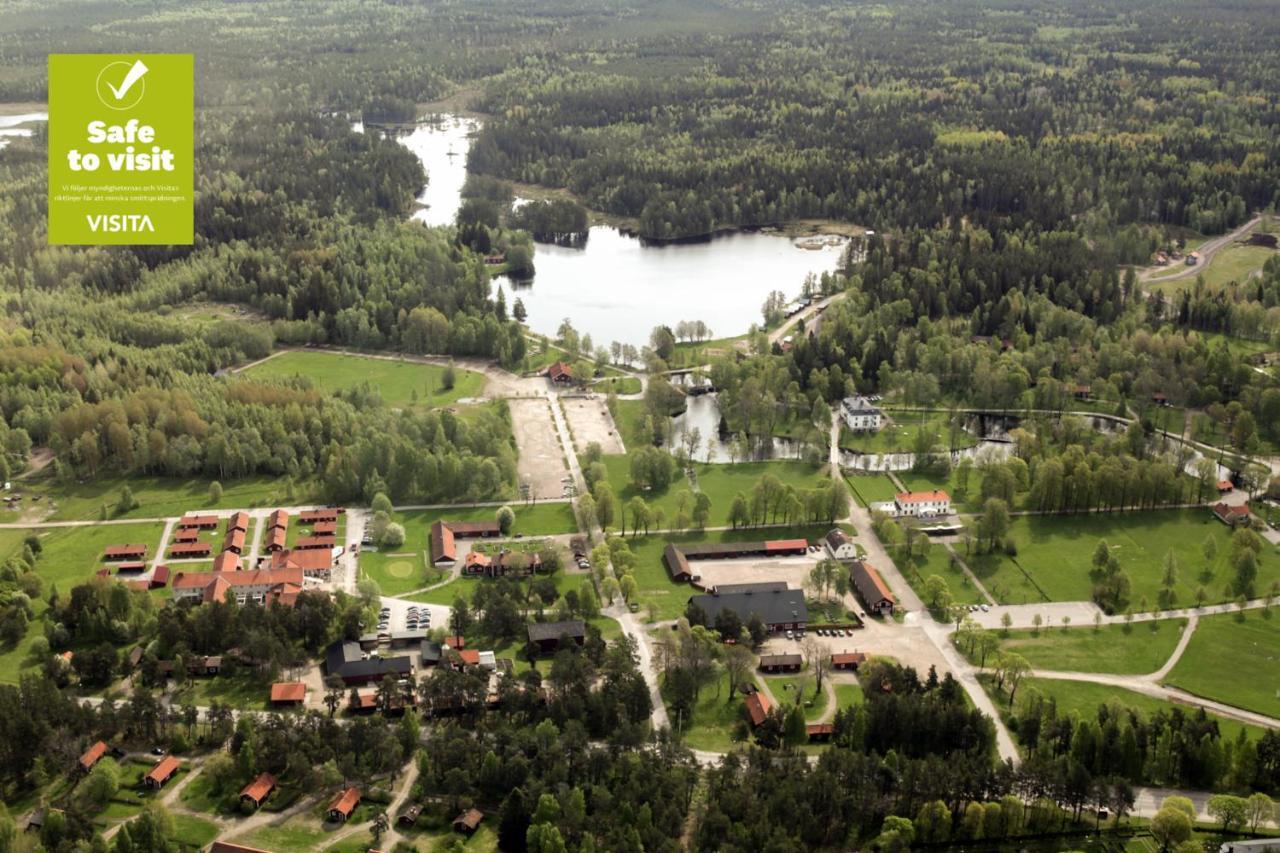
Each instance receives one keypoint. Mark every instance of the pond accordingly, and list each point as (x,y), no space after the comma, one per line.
(617,287)
(9,125)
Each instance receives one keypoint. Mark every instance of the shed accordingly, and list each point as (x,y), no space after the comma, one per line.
(258,790)
(468,822)
(92,756)
(161,773)
(344,804)
(781,663)
(288,693)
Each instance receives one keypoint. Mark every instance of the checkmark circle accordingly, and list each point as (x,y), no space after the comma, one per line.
(116,71)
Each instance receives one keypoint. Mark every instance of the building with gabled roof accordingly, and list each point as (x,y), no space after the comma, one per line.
(189,550)
(468,822)
(161,773)
(922,504)
(871,588)
(1230,515)
(198,522)
(227,562)
(288,693)
(258,790)
(841,545)
(560,373)
(234,541)
(92,756)
(116,553)
(758,708)
(253,586)
(860,415)
(444,549)
(546,636)
(344,804)
(238,521)
(779,608)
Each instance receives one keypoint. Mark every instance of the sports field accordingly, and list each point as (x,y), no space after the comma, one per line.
(401,384)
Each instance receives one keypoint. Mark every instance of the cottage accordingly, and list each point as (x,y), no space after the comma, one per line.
(276,538)
(343,805)
(234,541)
(847,660)
(781,663)
(777,606)
(186,537)
(161,773)
(546,636)
(92,756)
(311,516)
(159,577)
(560,373)
(238,521)
(189,550)
(871,589)
(841,545)
(198,522)
(228,847)
(1231,516)
(285,693)
(468,658)
(1160,399)
(922,504)
(1082,392)
(278,520)
(677,564)
(410,815)
(1225,486)
(758,708)
(860,415)
(819,732)
(131,568)
(116,553)
(257,791)
(315,543)
(325,528)
(468,822)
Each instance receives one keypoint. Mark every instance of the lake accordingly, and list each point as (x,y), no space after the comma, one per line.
(9,125)
(617,287)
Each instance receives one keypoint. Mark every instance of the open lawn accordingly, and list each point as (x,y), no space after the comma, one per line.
(193,832)
(160,497)
(664,599)
(242,690)
(871,488)
(1142,648)
(300,834)
(1055,555)
(1084,698)
(72,554)
(1237,662)
(720,482)
(617,385)
(198,796)
(786,688)
(401,384)
(937,561)
(629,419)
(848,694)
(714,717)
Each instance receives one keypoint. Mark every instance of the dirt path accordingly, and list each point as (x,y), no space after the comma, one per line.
(964,567)
(780,332)
(829,714)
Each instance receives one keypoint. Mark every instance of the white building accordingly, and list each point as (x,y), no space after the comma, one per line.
(859,414)
(841,545)
(923,504)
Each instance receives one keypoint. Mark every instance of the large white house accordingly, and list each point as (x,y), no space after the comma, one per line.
(859,414)
(922,504)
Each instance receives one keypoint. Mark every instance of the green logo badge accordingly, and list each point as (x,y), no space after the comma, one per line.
(121,145)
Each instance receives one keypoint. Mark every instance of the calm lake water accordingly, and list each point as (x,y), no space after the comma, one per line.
(617,287)
(9,125)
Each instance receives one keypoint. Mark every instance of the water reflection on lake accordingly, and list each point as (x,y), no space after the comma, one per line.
(617,287)
(9,125)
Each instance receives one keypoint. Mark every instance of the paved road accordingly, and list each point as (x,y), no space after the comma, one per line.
(780,332)
(1207,250)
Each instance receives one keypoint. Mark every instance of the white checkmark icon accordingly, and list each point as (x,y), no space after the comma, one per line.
(134,75)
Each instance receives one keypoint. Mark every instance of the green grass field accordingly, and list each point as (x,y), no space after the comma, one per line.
(242,690)
(617,385)
(1055,552)
(937,561)
(1234,662)
(1144,648)
(714,716)
(848,694)
(786,688)
(720,482)
(401,384)
(193,832)
(299,834)
(1083,698)
(871,488)
(160,497)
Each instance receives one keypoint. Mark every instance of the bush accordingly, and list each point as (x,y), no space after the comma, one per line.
(393,535)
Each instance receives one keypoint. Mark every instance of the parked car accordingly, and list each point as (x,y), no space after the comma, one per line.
(791,635)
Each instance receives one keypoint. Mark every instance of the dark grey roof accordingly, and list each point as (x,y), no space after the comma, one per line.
(431,651)
(762,586)
(781,660)
(541,632)
(773,606)
(342,659)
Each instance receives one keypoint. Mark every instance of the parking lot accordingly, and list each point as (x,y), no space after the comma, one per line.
(541,464)
(397,615)
(590,421)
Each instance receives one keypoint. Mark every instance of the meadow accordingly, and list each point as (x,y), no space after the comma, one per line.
(1234,660)
(401,384)
(1115,649)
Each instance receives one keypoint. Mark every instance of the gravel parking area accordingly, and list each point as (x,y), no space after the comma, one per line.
(793,570)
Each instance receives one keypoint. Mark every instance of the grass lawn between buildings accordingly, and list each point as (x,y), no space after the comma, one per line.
(715,714)
(1055,555)
(401,384)
(720,482)
(406,567)
(1117,649)
(1234,661)
(936,560)
(786,688)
